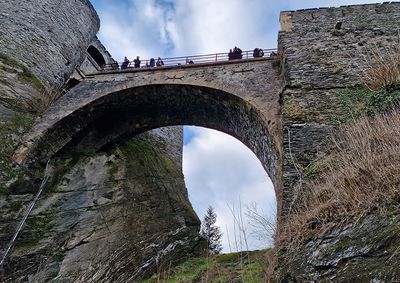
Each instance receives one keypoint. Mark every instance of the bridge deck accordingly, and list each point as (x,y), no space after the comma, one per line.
(189,62)
(171,67)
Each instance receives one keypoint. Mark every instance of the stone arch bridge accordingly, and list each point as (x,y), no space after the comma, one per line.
(240,98)
(284,111)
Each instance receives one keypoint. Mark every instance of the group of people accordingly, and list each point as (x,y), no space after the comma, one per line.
(137,63)
(236,53)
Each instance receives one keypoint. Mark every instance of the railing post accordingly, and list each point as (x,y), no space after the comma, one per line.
(216,57)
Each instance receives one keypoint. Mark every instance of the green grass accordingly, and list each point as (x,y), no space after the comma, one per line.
(361,102)
(188,271)
(233,267)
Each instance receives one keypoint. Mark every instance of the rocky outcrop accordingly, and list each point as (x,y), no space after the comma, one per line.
(105,217)
(367,251)
(112,216)
(19,103)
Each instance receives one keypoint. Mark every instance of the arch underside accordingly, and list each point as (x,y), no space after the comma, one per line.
(118,116)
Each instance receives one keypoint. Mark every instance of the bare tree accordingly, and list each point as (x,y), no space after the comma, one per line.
(264,227)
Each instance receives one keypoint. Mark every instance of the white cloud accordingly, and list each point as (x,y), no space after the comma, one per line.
(220,171)
(152,28)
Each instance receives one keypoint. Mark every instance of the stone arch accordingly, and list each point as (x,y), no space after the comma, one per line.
(96,56)
(122,114)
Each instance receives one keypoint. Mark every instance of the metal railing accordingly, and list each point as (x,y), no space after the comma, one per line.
(190,60)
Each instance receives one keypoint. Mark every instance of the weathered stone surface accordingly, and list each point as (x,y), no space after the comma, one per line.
(320,58)
(325,48)
(20,90)
(170,141)
(363,252)
(49,37)
(107,217)
(94,222)
(19,103)
(110,217)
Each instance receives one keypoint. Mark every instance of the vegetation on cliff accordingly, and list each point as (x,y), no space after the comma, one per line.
(16,74)
(350,209)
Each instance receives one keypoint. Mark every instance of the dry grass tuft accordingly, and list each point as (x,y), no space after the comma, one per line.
(46,99)
(382,68)
(364,177)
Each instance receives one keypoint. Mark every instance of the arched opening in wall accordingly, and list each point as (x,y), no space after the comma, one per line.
(105,131)
(96,56)
(118,116)
(222,172)
(106,119)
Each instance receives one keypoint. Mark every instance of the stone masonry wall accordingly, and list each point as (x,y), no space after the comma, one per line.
(324,51)
(49,37)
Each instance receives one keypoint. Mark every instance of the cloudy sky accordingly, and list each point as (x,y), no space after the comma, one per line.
(219,170)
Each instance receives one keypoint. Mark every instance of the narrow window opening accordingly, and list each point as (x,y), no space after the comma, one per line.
(338,25)
(96,56)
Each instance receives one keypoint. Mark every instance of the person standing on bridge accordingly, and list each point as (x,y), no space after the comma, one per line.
(124,64)
(237,53)
(230,55)
(137,62)
(258,52)
(159,62)
(152,62)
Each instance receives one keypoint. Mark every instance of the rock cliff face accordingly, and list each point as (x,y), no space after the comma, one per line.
(111,216)
(105,217)
(366,251)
